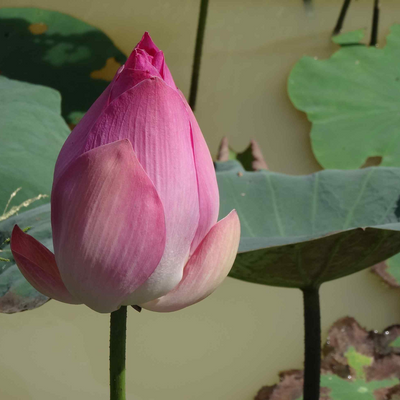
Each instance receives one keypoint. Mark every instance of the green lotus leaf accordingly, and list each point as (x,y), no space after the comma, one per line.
(349,38)
(16,294)
(396,342)
(300,231)
(56,50)
(32,133)
(389,271)
(351,100)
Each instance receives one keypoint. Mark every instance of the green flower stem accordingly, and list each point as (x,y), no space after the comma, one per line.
(197,53)
(312,360)
(342,16)
(117,354)
(375,22)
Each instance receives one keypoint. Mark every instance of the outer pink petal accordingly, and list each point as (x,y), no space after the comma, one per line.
(108,226)
(164,70)
(206,269)
(145,61)
(127,79)
(206,178)
(38,265)
(75,143)
(153,117)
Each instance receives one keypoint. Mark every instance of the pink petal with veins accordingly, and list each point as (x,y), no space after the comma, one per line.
(38,265)
(108,226)
(207,267)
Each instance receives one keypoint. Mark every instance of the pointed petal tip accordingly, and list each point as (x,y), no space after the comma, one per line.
(147,44)
(16,231)
(259,162)
(206,269)
(223,150)
(16,240)
(37,264)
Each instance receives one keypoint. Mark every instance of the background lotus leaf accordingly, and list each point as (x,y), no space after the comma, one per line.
(356,365)
(32,133)
(299,231)
(59,51)
(16,294)
(349,38)
(351,100)
(389,271)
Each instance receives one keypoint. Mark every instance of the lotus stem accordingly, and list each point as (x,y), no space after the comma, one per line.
(117,354)
(342,16)
(375,22)
(197,53)
(312,359)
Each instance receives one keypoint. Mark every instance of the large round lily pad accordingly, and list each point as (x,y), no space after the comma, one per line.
(300,231)
(32,133)
(352,101)
(16,294)
(59,51)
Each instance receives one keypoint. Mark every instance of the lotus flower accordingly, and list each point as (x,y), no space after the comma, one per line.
(134,202)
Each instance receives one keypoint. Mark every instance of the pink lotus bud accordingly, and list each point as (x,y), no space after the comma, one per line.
(134,202)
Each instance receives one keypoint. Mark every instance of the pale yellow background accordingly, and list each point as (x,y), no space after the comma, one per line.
(231,344)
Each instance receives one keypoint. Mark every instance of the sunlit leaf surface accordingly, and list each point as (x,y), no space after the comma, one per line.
(299,231)
(352,101)
(32,133)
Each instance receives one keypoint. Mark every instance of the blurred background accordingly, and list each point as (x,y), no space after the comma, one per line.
(228,346)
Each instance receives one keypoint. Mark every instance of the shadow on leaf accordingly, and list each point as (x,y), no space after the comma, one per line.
(59,51)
